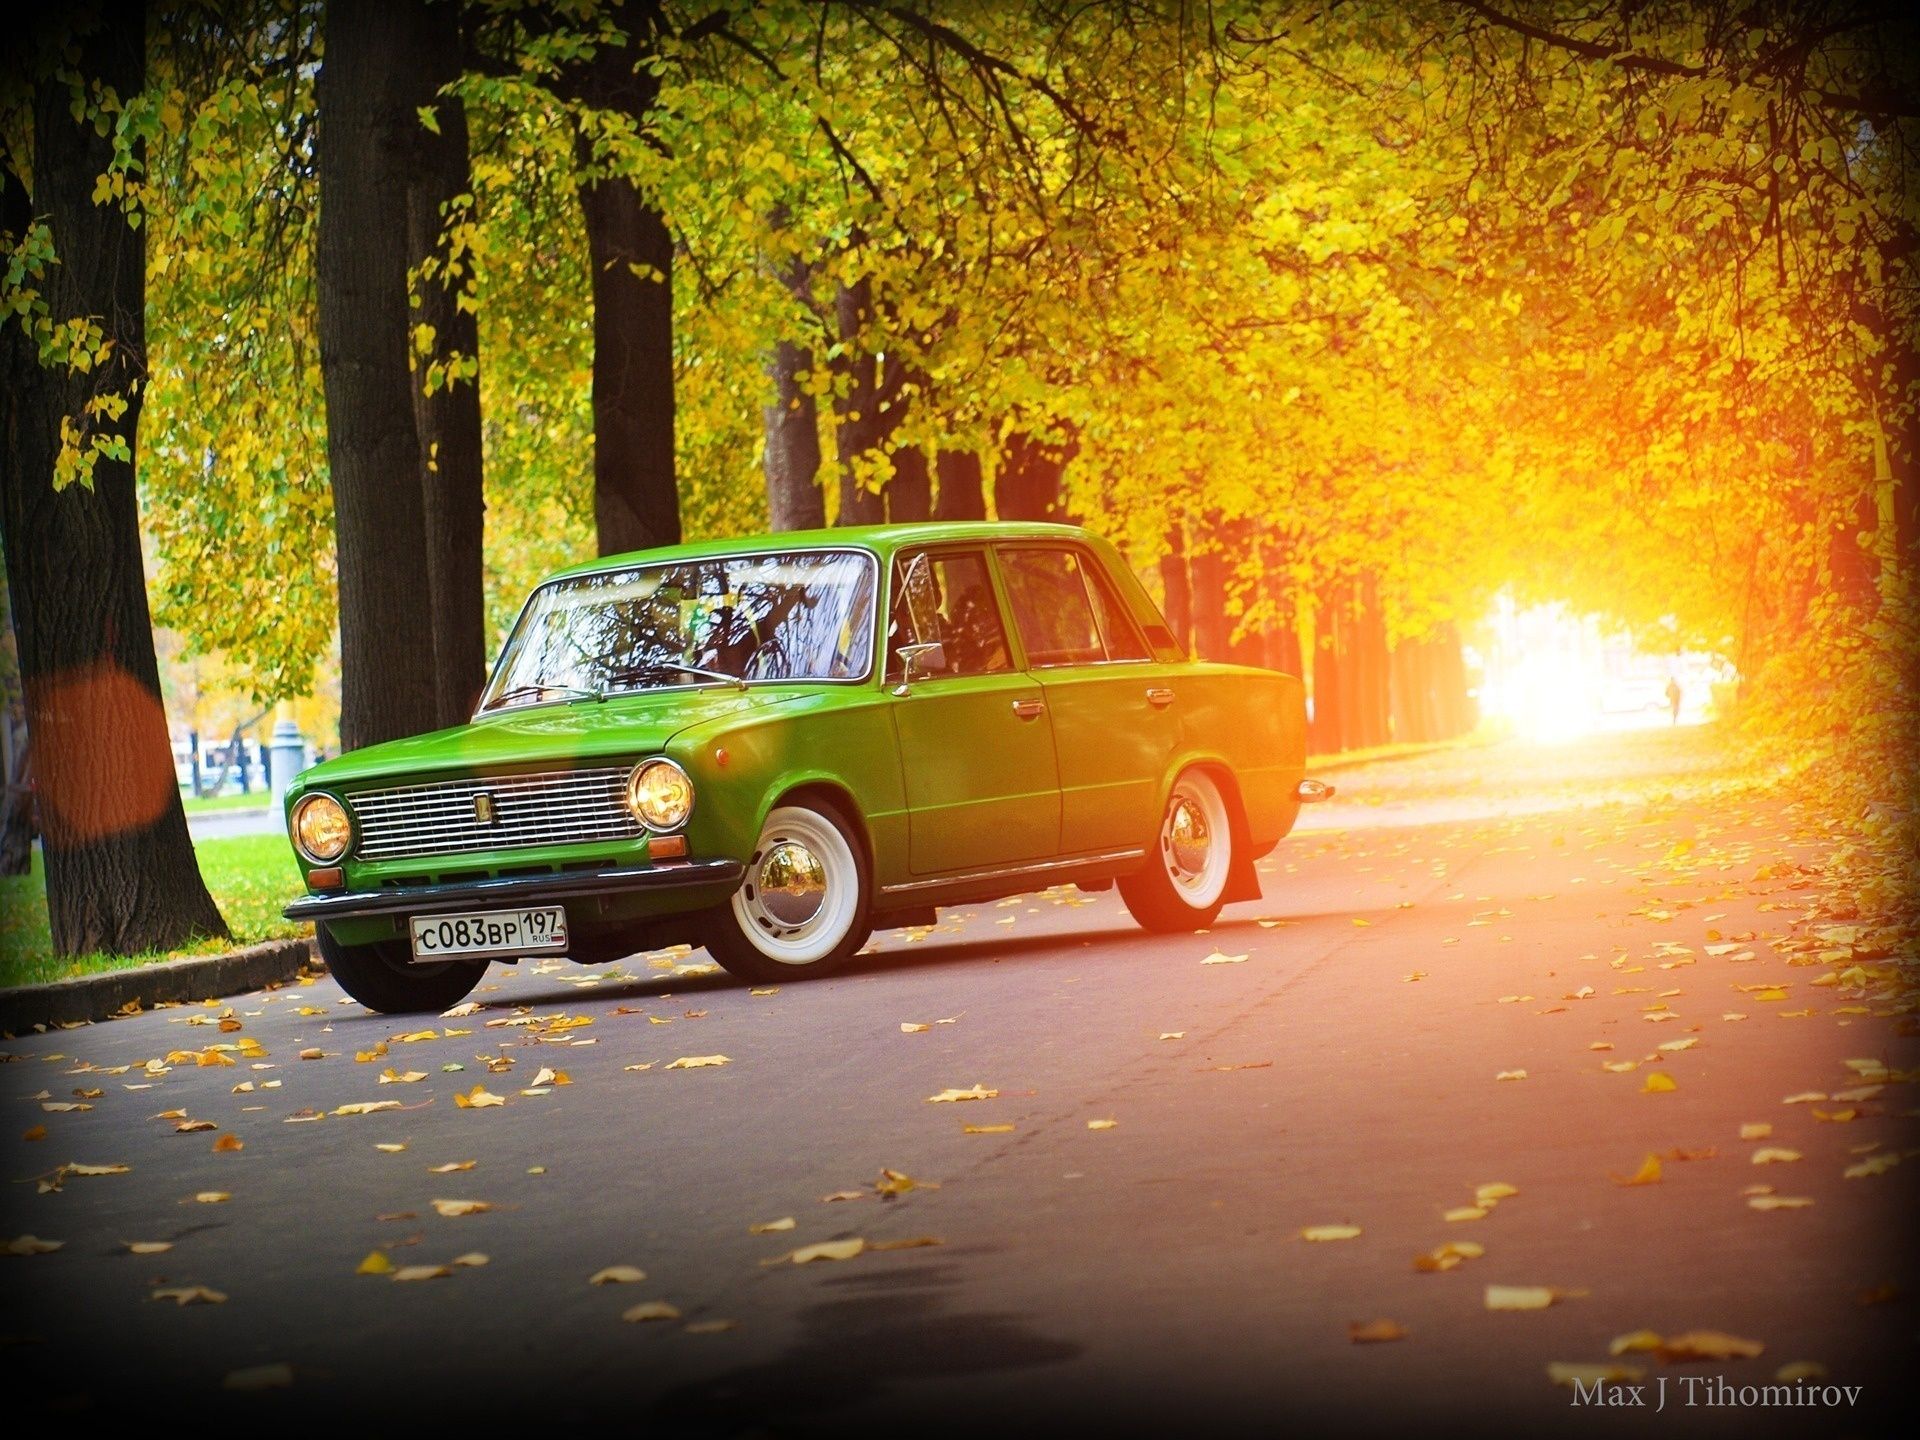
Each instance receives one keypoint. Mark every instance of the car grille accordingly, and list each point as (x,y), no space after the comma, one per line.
(560,807)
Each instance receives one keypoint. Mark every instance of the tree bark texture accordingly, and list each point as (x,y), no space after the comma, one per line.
(120,869)
(366,151)
(448,419)
(1177,586)
(960,493)
(862,413)
(792,458)
(1029,483)
(910,491)
(636,499)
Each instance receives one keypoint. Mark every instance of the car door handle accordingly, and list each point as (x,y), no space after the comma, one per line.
(1029,709)
(1159,696)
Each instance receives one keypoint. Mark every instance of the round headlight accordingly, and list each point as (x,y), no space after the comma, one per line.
(321,829)
(660,795)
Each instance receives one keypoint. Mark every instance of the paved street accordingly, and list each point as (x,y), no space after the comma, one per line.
(1475,968)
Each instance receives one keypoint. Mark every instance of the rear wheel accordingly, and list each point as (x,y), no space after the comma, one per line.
(382,976)
(1184,882)
(803,908)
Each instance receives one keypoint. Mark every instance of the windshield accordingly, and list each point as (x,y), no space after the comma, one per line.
(731,619)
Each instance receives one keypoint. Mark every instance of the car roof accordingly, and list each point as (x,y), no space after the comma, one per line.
(884,539)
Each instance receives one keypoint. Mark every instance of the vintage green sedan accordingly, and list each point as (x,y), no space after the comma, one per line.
(773,746)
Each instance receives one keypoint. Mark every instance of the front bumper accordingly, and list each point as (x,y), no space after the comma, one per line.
(517,890)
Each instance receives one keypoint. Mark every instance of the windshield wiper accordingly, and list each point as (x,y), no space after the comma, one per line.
(577,692)
(671,667)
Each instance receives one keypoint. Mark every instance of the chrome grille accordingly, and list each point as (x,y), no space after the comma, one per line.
(559,807)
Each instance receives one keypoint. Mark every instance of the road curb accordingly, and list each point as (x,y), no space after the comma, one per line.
(194,977)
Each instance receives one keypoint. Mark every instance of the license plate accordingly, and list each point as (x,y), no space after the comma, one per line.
(539,931)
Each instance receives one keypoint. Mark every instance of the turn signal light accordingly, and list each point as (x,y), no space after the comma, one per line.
(666,847)
(331,878)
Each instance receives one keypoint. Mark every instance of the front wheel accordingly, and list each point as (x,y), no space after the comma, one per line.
(1183,884)
(381,976)
(803,908)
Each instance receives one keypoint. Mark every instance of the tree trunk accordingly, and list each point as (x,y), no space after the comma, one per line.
(448,419)
(910,491)
(961,494)
(16,812)
(1209,570)
(860,422)
(1178,586)
(120,869)
(366,152)
(636,499)
(792,461)
(1029,482)
(1328,734)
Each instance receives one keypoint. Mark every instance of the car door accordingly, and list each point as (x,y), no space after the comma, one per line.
(976,746)
(1115,724)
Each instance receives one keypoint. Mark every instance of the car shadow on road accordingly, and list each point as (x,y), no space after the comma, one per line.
(881,1329)
(1116,942)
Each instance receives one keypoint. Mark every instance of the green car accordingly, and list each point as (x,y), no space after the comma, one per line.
(773,746)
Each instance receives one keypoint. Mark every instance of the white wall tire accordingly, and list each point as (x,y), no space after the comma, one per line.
(1183,884)
(802,908)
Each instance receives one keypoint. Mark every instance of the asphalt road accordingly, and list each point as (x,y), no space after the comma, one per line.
(1508,911)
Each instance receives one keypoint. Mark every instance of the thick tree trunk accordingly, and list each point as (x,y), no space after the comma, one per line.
(448,418)
(636,499)
(120,868)
(1209,571)
(961,493)
(1328,733)
(861,423)
(910,491)
(366,149)
(1029,482)
(1177,586)
(792,461)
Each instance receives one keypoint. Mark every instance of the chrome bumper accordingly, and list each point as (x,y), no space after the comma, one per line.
(516,889)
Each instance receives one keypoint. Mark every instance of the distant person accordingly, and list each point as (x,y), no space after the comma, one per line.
(1673,698)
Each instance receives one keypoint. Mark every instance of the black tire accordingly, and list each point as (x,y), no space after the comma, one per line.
(1167,895)
(381,978)
(742,934)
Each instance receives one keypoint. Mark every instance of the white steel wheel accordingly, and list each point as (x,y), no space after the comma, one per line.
(1182,885)
(802,901)
(1196,840)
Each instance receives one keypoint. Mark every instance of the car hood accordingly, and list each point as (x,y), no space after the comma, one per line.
(615,729)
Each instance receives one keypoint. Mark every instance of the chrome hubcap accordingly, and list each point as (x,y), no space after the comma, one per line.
(1188,840)
(791,884)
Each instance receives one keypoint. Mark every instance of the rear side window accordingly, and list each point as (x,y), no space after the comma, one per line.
(1051,607)
(1117,629)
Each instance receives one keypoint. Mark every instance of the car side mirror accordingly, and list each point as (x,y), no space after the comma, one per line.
(919,660)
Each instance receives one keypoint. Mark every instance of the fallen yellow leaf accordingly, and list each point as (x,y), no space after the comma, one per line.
(477,1098)
(697,1062)
(1330,1232)
(1658,1082)
(617,1275)
(376,1263)
(1375,1332)
(190,1295)
(32,1245)
(422,1272)
(978,1092)
(650,1310)
(769,1227)
(828,1250)
(1647,1174)
(1520,1297)
(454,1208)
(1561,1372)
